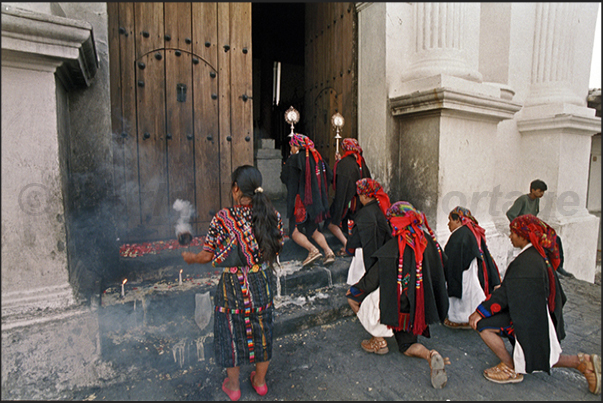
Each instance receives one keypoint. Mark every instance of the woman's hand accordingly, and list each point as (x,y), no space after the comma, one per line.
(473,319)
(201,257)
(189,257)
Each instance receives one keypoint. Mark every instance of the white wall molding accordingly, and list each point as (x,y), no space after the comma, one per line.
(31,40)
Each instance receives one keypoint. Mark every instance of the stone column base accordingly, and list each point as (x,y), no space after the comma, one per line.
(47,353)
(579,236)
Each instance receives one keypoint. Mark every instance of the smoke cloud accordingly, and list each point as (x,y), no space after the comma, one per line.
(183,227)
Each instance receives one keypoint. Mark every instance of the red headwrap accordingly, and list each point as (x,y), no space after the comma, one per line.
(301,141)
(351,147)
(544,239)
(372,188)
(407,224)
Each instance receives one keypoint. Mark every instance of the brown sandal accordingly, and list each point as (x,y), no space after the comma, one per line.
(454,325)
(375,346)
(438,371)
(502,373)
(330,259)
(591,370)
(312,257)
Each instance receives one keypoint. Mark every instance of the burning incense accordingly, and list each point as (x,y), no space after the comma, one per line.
(183,227)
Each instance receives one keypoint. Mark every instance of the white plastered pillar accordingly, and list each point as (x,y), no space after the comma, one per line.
(446,116)
(37,49)
(556,127)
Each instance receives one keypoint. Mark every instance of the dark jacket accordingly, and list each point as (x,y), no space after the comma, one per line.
(461,249)
(346,175)
(293,175)
(523,294)
(384,275)
(371,230)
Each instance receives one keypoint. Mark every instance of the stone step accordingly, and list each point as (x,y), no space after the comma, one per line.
(153,325)
(172,339)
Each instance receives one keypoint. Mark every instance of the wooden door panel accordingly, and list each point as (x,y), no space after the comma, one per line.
(123,113)
(178,26)
(224,94)
(330,70)
(175,145)
(206,121)
(205,32)
(207,144)
(179,107)
(152,143)
(149,20)
(241,84)
(128,91)
(117,143)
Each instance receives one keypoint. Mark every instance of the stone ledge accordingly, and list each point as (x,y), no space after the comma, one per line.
(566,123)
(28,302)
(454,100)
(35,38)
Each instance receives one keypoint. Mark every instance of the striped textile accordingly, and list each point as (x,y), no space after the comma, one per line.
(244,317)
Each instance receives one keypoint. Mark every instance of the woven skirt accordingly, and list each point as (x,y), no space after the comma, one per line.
(244,316)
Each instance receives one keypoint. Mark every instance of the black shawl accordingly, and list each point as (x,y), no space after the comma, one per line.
(523,293)
(371,230)
(293,176)
(384,272)
(346,175)
(461,249)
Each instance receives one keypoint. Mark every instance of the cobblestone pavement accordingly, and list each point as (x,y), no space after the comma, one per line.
(326,363)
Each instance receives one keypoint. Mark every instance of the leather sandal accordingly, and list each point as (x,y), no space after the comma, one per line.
(502,373)
(375,346)
(312,257)
(454,325)
(591,369)
(438,371)
(329,259)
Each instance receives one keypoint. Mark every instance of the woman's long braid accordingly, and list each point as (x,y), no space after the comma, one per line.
(265,227)
(263,218)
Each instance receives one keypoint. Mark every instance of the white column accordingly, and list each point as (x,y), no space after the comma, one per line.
(556,127)
(553,57)
(440,41)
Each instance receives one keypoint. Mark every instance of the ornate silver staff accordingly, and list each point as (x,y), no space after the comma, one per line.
(291,117)
(337,121)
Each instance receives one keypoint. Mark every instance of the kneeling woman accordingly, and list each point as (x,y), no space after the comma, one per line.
(409,279)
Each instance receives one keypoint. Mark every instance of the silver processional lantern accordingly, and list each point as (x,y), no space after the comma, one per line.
(291,117)
(337,121)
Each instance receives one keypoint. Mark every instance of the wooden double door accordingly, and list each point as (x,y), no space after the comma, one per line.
(181,99)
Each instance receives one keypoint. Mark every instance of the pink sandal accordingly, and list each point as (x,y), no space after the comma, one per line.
(261,390)
(233,394)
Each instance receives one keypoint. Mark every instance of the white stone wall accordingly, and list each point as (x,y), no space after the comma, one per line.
(34,259)
(372,79)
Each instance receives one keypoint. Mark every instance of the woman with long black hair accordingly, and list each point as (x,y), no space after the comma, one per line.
(245,240)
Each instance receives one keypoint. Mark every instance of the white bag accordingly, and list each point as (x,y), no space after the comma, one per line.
(203,309)
(356,270)
(369,314)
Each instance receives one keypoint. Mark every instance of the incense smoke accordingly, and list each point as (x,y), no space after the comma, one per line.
(183,227)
